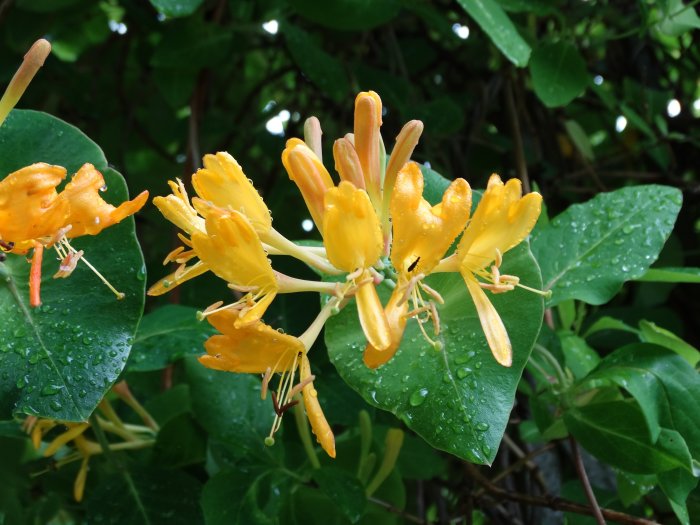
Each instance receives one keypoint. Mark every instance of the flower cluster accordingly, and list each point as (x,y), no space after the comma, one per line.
(375,216)
(33,215)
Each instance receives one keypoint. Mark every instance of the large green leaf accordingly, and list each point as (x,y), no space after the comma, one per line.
(558,73)
(458,399)
(590,249)
(495,22)
(616,433)
(58,360)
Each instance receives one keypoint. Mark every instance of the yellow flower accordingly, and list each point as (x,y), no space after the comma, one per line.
(502,220)
(232,250)
(368,142)
(34,215)
(257,348)
(421,235)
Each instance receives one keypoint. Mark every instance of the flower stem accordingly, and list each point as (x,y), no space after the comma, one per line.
(304,434)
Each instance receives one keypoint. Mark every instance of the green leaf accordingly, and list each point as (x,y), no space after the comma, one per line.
(321,68)
(344,489)
(192,44)
(418,460)
(60,359)
(181,441)
(609,323)
(558,73)
(671,275)
(588,251)
(176,8)
(497,25)
(146,497)
(580,139)
(166,335)
(677,484)
(458,398)
(234,497)
(616,433)
(229,408)
(579,357)
(348,15)
(651,333)
(678,18)
(676,399)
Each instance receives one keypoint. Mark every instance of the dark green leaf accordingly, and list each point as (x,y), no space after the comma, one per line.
(579,137)
(181,441)
(58,360)
(616,433)
(148,497)
(558,74)
(344,489)
(348,15)
(170,403)
(589,250)
(496,24)
(677,484)
(176,8)
(191,44)
(418,460)
(321,68)
(166,335)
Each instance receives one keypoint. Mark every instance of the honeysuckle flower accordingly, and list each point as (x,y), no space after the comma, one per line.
(258,348)
(33,60)
(502,220)
(34,215)
(421,235)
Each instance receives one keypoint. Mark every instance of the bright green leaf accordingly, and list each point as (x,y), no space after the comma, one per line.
(497,25)
(651,333)
(61,358)
(671,275)
(558,74)
(588,251)
(579,357)
(678,18)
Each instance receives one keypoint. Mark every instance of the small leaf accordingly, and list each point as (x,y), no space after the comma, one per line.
(344,489)
(580,139)
(166,335)
(677,484)
(321,68)
(348,15)
(176,8)
(588,251)
(558,73)
(650,333)
(579,357)
(497,25)
(678,18)
(671,275)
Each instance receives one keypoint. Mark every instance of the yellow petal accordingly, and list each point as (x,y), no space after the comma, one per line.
(178,210)
(501,221)
(372,318)
(223,183)
(347,163)
(351,231)
(423,233)
(184,273)
(319,424)
(89,213)
(29,205)
(251,349)
(406,142)
(80,479)
(491,322)
(232,250)
(60,440)
(395,316)
(368,120)
(309,174)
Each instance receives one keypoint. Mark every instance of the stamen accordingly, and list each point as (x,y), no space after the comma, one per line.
(435,318)
(67,245)
(409,288)
(498,258)
(243,289)
(68,264)
(432,292)
(265,382)
(298,387)
(354,275)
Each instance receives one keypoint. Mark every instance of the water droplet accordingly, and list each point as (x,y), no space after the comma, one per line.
(55,405)
(463,372)
(51,390)
(418,397)
(482,427)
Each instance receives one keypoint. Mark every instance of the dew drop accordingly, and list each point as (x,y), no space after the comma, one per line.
(418,397)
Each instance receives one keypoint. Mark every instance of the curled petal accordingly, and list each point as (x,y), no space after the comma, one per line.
(29,205)
(491,322)
(223,183)
(395,316)
(368,120)
(249,349)
(347,163)
(309,174)
(182,274)
(422,234)
(178,210)
(319,424)
(351,231)
(372,318)
(89,213)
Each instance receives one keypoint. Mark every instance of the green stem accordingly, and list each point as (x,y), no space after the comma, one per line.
(305,433)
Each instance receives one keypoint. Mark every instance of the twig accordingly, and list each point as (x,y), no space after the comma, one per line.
(554,502)
(519,151)
(395,510)
(524,460)
(581,471)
